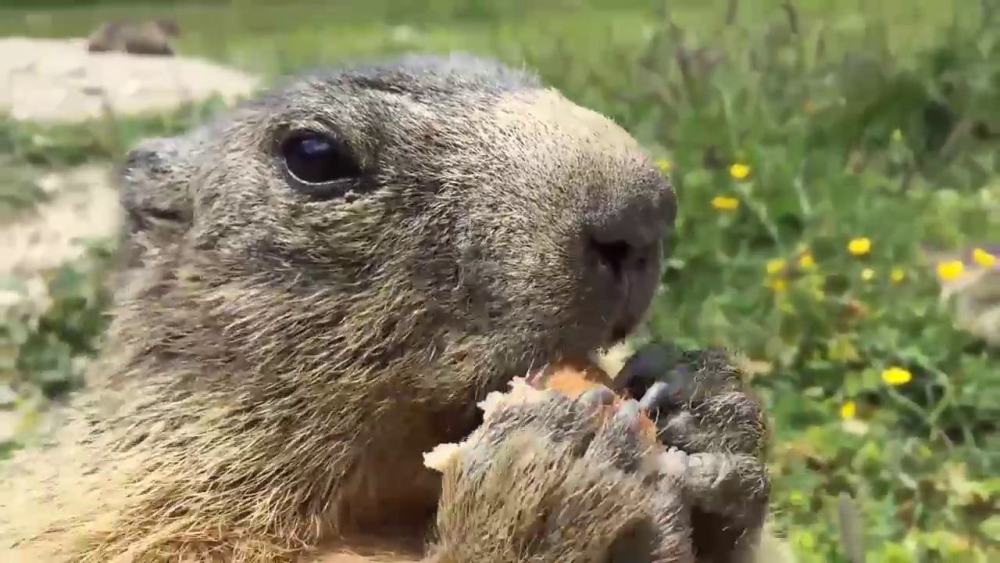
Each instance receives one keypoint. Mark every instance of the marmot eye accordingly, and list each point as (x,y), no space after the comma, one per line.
(314,158)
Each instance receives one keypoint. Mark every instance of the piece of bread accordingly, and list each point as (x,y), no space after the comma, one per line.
(569,378)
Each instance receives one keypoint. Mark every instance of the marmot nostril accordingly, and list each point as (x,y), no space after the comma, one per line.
(619,253)
(625,235)
(614,255)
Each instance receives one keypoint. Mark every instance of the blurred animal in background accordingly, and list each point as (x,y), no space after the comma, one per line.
(152,37)
(970,284)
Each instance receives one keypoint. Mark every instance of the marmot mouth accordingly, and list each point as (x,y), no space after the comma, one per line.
(622,329)
(636,300)
(629,300)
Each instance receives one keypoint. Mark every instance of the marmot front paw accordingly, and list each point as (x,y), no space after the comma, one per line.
(562,469)
(701,405)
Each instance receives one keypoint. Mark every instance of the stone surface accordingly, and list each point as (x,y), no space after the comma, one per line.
(58,80)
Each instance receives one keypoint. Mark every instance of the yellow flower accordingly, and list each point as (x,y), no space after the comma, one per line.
(848,410)
(896,375)
(777,285)
(868,274)
(725,203)
(960,543)
(950,269)
(983,258)
(775,266)
(663,164)
(739,171)
(897,275)
(859,246)
(806,261)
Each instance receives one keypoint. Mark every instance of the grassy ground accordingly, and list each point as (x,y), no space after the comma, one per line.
(862,131)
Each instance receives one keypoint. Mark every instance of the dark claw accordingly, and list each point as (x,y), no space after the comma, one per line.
(656,366)
(657,396)
(648,364)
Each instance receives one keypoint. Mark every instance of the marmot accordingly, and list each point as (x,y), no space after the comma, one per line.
(322,284)
(135,37)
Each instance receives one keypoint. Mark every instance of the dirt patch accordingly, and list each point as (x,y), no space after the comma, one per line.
(84,205)
(49,80)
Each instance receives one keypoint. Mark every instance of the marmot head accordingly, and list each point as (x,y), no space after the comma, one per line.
(424,208)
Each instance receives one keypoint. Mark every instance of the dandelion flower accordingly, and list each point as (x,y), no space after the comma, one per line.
(896,375)
(725,203)
(960,543)
(664,165)
(983,258)
(739,171)
(897,275)
(868,274)
(775,266)
(806,261)
(848,410)
(950,270)
(777,285)
(859,246)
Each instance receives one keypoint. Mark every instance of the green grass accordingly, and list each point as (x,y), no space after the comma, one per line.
(868,119)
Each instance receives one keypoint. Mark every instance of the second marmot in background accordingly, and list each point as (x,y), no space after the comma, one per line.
(152,37)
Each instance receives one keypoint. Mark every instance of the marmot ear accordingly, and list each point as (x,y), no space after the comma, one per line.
(154,187)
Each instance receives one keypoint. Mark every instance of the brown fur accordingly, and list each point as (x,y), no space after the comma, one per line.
(592,464)
(138,38)
(279,362)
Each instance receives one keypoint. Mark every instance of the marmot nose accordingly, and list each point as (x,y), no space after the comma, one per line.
(622,248)
(626,241)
